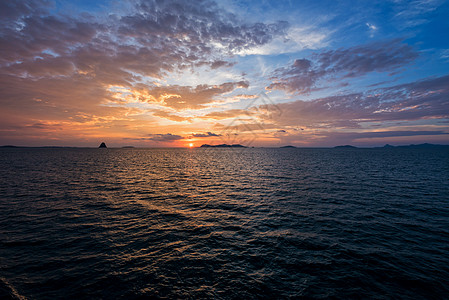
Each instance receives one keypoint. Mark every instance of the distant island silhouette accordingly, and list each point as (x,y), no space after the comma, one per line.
(102,145)
(417,146)
(345,147)
(223,146)
(388,146)
(288,146)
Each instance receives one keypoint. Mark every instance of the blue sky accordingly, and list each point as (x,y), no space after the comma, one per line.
(265,73)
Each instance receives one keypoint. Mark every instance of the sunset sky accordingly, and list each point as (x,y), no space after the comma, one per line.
(259,73)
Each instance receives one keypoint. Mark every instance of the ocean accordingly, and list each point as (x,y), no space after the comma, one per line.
(224,223)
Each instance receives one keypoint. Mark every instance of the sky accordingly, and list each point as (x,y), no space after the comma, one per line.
(258,73)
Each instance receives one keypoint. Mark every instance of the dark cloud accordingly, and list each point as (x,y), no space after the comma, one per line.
(201,21)
(220,63)
(167,137)
(304,75)
(207,134)
(154,38)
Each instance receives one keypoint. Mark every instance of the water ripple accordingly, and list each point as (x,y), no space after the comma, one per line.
(225,224)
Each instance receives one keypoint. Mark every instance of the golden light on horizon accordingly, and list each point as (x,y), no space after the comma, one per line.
(190,145)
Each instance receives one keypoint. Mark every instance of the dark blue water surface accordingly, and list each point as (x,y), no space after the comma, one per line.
(224,223)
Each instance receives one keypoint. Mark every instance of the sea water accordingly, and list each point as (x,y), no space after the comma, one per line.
(224,223)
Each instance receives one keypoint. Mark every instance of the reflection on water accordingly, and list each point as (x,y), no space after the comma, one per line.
(219,223)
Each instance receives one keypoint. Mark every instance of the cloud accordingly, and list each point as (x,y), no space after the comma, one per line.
(168,137)
(293,40)
(243,96)
(412,13)
(406,102)
(372,28)
(208,134)
(249,126)
(304,75)
(68,69)
(196,26)
(227,114)
(177,97)
(81,76)
(57,58)
(155,36)
(169,116)
(220,63)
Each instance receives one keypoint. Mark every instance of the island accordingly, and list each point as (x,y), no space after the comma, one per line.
(102,145)
(223,146)
(414,146)
(288,146)
(345,147)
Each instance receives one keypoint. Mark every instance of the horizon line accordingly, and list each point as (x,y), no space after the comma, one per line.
(214,146)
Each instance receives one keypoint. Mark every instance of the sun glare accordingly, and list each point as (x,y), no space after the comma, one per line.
(191,145)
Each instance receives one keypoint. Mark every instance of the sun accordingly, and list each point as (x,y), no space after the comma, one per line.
(191,145)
